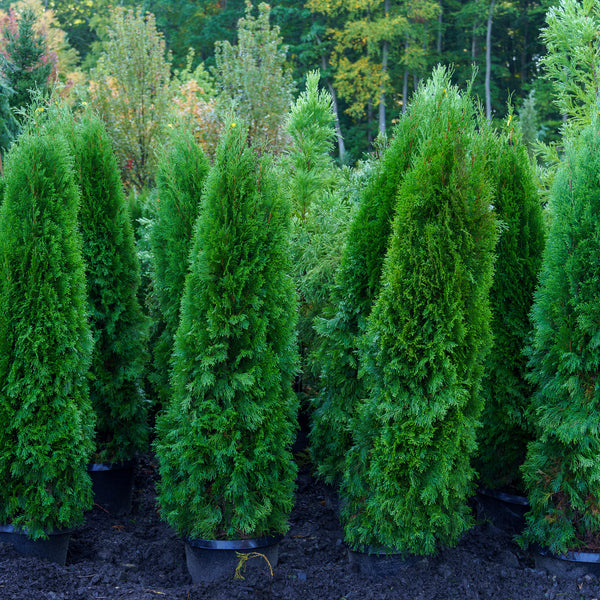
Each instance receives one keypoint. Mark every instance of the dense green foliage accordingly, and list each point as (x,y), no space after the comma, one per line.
(408,477)
(26,70)
(357,285)
(182,170)
(46,437)
(562,469)
(113,275)
(224,442)
(506,392)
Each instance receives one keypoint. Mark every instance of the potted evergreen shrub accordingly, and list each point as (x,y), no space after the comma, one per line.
(46,438)
(408,474)
(506,424)
(562,470)
(224,441)
(118,326)
(182,170)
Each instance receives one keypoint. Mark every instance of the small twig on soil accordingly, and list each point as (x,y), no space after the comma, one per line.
(101,508)
(156,591)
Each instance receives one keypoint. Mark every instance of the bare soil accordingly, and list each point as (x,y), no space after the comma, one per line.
(138,557)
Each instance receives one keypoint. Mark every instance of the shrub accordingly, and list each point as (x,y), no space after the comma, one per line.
(182,170)
(113,273)
(224,441)
(562,471)
(407,476)
(506,392)
(47,429)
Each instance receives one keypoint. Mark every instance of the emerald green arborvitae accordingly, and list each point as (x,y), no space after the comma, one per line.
(506,427)
(224,442)
(182,170)
(408,475)
(562,470)
(46,437)
(113,275)
(357,286)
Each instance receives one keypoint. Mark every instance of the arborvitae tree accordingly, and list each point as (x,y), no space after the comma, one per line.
(357,285)
(182,170)
(28,70)
(224,443)
(507,393)
(46,437)
(407,478)
(113,274)
(562,470)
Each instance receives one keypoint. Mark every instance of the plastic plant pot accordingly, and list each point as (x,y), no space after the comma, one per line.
(112,485)
(571,565)
(209,560)
(506,511)
(377,563)
(53,548)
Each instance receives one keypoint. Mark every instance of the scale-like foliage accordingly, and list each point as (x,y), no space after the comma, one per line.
(358,283)
(224,442)
(408,476)
(182,170)
(113,275)
(562,471)
(46,437)
(507,393)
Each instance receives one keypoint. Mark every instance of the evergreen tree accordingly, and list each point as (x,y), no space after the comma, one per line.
(182,170)
(224,441)
(506,392)
(46,436)
(562,470)
(357,285)
(407,477)
(113,274)
(28,69)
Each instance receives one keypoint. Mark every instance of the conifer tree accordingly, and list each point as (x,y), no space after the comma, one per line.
(182,170)
(357,285)
(46,437)
(27,69)
(113,274)
(407,477)
(224,442)
(562,470)
(506,392)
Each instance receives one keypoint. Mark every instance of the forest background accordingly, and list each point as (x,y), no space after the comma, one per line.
(371,54)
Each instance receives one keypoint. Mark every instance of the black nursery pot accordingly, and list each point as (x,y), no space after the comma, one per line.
(377,563)
(112,485)
(572,565)
(53,549)
(505,511)
(208,560)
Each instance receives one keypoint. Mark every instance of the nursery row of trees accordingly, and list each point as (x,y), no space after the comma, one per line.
(440,327)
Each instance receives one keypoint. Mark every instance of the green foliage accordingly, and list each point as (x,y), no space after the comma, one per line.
(529,123)
(506,392)
(130,89)
(358,283)
(572,59)
(224,443)
(113,275)
(253,80)
(182,170)
(28,68)
(46,437)
(562,469)
(408,477)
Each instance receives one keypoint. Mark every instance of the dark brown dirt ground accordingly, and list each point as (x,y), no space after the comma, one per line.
(139,558)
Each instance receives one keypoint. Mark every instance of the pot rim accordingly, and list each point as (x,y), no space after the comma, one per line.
(505,496)
(9,528)
(572,556)
(241,544)
(116,466)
